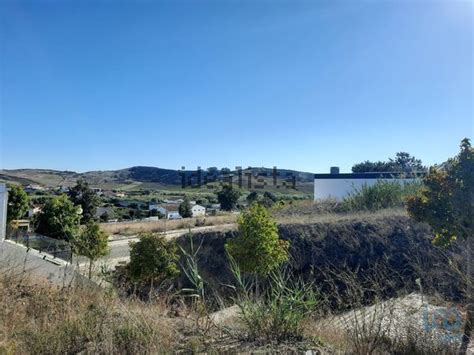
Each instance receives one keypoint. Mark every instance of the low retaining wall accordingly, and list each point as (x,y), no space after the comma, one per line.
(18,259)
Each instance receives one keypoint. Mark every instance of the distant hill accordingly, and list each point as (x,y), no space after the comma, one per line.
(143,176)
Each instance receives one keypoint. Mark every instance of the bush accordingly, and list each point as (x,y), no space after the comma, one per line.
(258,248)
(280,311)
(91,242)
(383,194)
(153,259)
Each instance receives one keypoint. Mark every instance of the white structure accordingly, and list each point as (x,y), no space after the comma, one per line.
(198,210)
(170,211)
(3,211)
(33,211)
(337,186)
(173,215)
(152,207)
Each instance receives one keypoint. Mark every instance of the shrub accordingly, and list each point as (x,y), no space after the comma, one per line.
(383,194)
(258,248)
(280,311)
(153,259)
(91,242)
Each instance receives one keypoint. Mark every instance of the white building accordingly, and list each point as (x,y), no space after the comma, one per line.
(170,211)
(198,210)
(3,211)
(173,215)
(337,186)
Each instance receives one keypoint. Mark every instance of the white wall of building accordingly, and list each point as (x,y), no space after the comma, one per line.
(337,188)
(3,211)
(173,215)
(198,210)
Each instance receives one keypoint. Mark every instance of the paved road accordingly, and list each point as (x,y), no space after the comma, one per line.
(120,248)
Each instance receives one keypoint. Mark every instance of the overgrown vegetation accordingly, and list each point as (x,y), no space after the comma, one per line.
(383,194)
(278,310)
(36,318)
(446,202)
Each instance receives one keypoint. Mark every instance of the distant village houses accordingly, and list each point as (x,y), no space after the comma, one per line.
(170,210)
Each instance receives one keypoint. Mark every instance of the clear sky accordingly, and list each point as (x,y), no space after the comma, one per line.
(302,85)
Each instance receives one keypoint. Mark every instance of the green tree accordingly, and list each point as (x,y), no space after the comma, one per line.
(104,217)
(252,197)
(91,242)
(406,163)
(18,203)
(403,163)
(269,199)
(228,197)
(153,259)
(84,196)
(184,209)
(446,203)
(59,218)
(257,249)
(446,200)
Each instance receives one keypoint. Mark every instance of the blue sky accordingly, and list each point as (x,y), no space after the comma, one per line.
(294,84)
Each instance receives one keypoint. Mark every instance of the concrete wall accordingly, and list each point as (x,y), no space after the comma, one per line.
(3,211)
(336,188)
(19,260)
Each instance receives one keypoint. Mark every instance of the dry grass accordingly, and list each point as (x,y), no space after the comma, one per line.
(304,212)
(37,318)
(163,225)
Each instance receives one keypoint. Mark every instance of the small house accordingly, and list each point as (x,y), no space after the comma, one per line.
(198,210)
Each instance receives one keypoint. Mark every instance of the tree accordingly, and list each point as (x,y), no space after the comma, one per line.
(83,195)
(184,209)
(405,163)
(18,203)
(257,249)
(402,163)
(446,203)
(91,242)
(153,259)
(269,199)
(252,197)
(104,217)
(446,200)
(59,218)
(228,197)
